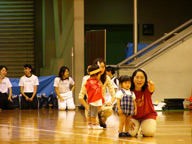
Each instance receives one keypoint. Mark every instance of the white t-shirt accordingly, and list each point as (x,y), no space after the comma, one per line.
(28,83)
(5,85)
(128,92)
(63,85)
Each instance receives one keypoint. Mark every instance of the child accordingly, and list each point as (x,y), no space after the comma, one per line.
(126,105)
(28,87)
(110,71)
(95,98)
(62,85)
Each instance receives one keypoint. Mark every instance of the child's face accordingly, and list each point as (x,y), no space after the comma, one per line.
(108,73)
(139,80)
(66,74)
(126,85)
(27,71)
(3,72)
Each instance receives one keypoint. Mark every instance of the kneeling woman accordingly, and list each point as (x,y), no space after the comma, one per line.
(28,88)
(5,85)
(146,114)
(64,86)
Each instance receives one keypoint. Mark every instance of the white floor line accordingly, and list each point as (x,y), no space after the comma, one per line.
(51,131)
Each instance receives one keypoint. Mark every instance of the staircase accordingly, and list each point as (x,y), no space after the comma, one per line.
(16,35)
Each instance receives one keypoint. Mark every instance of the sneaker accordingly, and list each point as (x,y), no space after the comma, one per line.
(90,126)
(127,134)
(103,125)
(97,127)
(122,134)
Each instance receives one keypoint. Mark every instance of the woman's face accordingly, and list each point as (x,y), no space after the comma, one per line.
(3,72)
(27,71)
(102,67)
(66,74)
(139,80)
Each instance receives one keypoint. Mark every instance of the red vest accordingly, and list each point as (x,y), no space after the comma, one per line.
(94,90)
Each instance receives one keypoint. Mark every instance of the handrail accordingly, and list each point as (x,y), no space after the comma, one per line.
(161,50)
(154,43)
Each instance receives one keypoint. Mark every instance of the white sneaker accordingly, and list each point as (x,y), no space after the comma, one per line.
(90,126)
(97,127)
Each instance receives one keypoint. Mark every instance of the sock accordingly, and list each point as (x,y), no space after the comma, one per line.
(94,124)
(89,123)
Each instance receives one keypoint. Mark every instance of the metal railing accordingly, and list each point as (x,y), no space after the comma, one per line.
(162,39)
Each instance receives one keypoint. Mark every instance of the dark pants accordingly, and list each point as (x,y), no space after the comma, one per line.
(5,103)
(29,104)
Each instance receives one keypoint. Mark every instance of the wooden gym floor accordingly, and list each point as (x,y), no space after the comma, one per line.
(60,127)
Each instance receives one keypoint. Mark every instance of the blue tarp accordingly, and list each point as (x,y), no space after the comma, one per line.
(45,85)
(129,49)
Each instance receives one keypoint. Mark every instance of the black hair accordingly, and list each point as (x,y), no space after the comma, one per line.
(103,76)
(92,68)
(3,66)
(124,78)
(28,66)
(132,78)
(112,69)
(62,71)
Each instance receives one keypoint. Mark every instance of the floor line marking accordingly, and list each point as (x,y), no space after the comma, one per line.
(30,128)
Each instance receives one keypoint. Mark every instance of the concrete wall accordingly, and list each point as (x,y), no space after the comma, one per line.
(171,72)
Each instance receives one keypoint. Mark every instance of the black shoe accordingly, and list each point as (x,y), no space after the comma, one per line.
(103,125)
(127,134)
(122,134)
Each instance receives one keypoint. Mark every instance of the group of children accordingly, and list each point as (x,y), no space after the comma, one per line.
(126,105)
(28,88)
(64,85)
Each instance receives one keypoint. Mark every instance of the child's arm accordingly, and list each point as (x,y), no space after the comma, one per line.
(120,111)
(73,87)
(58,94)
(10,94)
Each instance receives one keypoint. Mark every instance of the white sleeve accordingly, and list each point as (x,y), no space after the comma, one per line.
(21,82)
(9,83)
(36,81)
(71,81)
(119,94)
(56,82)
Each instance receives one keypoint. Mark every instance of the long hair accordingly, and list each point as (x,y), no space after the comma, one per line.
(132,78)
(103,76)
(62,71)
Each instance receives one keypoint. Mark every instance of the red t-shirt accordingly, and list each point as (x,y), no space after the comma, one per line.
(94,91)
(145,108)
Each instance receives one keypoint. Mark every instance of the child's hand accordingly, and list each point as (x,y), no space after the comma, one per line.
(61,99)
